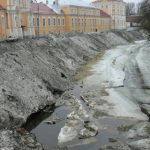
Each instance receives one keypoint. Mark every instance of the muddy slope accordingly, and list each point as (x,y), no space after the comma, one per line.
(33,73)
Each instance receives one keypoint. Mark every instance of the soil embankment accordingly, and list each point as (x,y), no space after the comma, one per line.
(34,73)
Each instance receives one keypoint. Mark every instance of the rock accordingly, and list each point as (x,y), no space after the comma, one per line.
(143,144)
(91,127)
(146,107)
(85,133)
(90,130)
(66,134)
(11,140)
(141,130)
(73,116)
(50,122)
(115,146)
(84,99)
(112,140)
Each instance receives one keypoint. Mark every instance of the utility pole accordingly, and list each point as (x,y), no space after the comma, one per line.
(84,22)
(114,24)
(38,22)
(77,19)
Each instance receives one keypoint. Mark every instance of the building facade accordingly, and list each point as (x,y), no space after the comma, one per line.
(46,20)
(81,19)
(68,18)
(116,9)
(105,21)
(23,18)
(2,23)
(17,16)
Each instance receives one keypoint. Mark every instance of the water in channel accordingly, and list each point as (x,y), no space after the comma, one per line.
(106,74)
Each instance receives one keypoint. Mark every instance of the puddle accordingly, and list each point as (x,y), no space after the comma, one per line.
(45,133)
(109,134)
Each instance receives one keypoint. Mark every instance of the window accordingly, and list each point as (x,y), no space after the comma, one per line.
(79,21)
(76,21)
(33,21)
(49,21)
(82,22)
(16,21)
(54,21)
(3,22)
(44,23)
(38,22)
(63,21)
(72,21)
(58,21)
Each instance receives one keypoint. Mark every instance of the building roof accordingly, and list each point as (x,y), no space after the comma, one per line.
(104,15)
(109,1)
(79,3)
(41,8)
(55,8)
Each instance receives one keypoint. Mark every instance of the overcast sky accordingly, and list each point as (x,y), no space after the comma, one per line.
(128,0)
(133,1)
(136,1)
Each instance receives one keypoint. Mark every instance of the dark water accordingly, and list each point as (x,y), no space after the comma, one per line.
(47,134)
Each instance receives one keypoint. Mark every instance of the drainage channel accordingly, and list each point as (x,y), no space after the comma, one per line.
(47,126)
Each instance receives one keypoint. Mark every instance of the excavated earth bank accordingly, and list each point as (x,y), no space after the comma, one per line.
(34,73)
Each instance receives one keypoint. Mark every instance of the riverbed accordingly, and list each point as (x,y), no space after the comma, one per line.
(105,94)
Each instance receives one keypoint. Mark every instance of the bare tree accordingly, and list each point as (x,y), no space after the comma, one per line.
(145,11)
(130,9)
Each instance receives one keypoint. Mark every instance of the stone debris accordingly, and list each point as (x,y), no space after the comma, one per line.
(90,130)
(12,140)
(115,146)
(67,133)
(85,133)
(140,130)
(143,144)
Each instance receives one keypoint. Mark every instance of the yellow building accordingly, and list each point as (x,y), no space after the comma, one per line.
(2,22)
(116,9)
(23,18)
(84,17)
(81,19)
(46,20)
(105,21)
(74,16)
(17,18)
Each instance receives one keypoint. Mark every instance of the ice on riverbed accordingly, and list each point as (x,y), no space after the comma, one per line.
(75,121)
(66,134)
(110,73)
(123,106)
